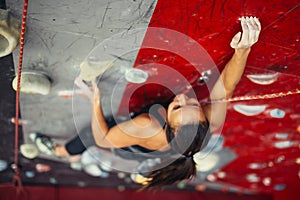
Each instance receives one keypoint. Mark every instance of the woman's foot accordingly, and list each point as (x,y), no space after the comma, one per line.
(61,151)
(47,146)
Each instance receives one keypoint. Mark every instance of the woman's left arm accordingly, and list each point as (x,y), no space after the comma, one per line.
(98,122)
(125,134)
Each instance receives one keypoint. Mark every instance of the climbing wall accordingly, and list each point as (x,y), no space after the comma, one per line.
(264,133)
(182,44)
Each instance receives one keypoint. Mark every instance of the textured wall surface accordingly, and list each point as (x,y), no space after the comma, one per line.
(175,43)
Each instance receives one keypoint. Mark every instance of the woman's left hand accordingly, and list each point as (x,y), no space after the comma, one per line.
(83,86)
(93,93)
(95,98)
(251,29)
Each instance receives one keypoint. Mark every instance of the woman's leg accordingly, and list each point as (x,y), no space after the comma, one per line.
(61,151)
(73,147)
(78,144)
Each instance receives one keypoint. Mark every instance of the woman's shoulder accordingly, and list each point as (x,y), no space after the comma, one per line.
(150,131)
(146,120)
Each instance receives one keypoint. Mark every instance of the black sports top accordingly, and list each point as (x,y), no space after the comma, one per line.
(137,152)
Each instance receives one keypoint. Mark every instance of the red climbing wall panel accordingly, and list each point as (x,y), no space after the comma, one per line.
(212,24)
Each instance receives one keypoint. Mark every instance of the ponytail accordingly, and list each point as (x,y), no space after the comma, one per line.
(189,139)
(181,169)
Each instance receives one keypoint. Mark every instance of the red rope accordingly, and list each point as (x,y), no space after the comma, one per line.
(256,97)
(17,180)
(247,98)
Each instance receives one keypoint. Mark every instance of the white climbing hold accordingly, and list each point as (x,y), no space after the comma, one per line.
(29,151)
(263,79)
(136,76)
(33,83)
(249,110)
(9,32)
(92,68)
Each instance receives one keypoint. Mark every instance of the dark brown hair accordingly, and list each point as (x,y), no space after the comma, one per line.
(189,139)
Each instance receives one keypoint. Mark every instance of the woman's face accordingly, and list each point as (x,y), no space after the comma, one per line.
(184,110)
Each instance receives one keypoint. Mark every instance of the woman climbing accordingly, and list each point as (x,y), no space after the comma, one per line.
(184,128)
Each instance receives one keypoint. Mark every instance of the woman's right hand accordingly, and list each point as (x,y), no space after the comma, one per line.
(251,29)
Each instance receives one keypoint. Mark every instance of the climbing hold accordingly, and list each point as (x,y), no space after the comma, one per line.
(106,165)
(3,165)
(281,136)
(93,170)
(52,180)
(200,188)
(267,181)
(42,168)
(207,163)
(9,32)
(181,185)
(260,165)
(279,187)
(104,175)
(77,166)
(253,178)
(29,174)
(211,178)
(136,76)
(263,79)
(277,113)
(33,83)
(283,144)
(249,110)
(94,155)
(138,178)
(221,174)
(29,151)
(121,175)
(92,67)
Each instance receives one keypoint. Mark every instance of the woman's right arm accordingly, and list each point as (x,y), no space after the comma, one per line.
(233,71)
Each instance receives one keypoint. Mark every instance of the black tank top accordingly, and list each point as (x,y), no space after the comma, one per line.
(137,152)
